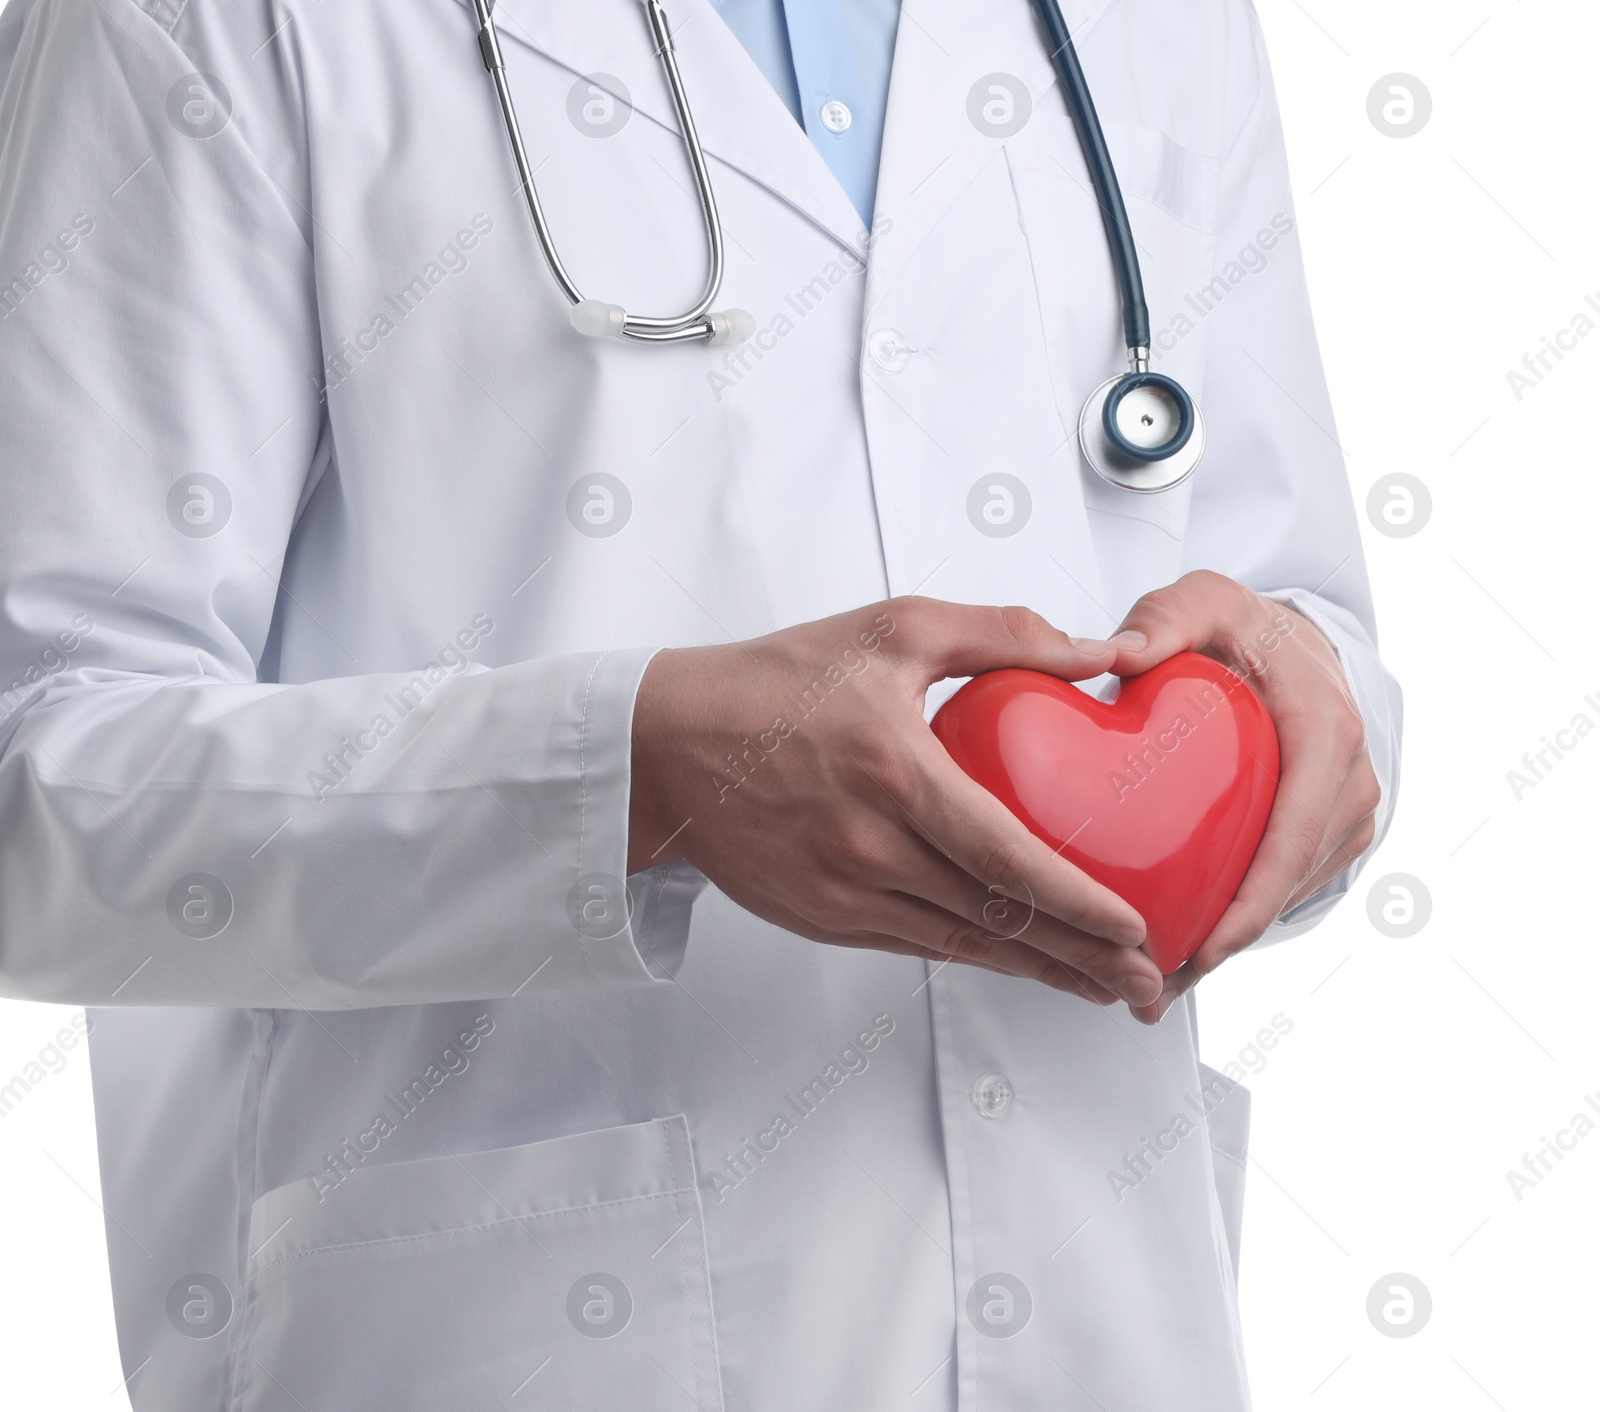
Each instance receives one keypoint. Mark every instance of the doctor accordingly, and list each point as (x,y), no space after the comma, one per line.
(337,571)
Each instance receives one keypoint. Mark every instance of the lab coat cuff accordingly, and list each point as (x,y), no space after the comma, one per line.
(649,946)
(660,907)
(1377,698)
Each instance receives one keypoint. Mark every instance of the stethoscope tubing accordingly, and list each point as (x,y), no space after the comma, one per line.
(1107,449)
(1103,173)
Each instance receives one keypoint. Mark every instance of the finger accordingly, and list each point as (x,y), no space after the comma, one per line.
(1351,828)
(1311,856)
(898,946)
(955,938)
(1299,834)
(960,640)
(1177,985)
(983,838)
(1005,918)
(960,943)
(1199,611)
(865,939)
(1111,971)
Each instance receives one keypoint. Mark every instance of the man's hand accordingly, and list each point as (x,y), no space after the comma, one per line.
(1328,793)
(797,772)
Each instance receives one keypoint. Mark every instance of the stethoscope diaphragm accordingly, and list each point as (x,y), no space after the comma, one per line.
(1142,432)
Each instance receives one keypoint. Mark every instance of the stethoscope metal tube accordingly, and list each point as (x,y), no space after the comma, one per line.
(592,316)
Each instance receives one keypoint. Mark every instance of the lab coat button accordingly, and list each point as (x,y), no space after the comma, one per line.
(992,1095)
(835,116)
(888,349)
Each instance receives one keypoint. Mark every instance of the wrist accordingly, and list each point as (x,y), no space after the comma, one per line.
(655,829)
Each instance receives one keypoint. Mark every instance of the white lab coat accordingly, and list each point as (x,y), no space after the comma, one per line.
(308,628)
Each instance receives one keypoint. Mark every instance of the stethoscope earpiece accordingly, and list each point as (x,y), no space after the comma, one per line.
(594,318)
(1142,432)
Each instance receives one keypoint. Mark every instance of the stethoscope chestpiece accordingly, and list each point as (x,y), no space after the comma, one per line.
(1142,432)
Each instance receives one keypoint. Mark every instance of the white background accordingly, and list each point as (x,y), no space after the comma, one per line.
(1418,1071)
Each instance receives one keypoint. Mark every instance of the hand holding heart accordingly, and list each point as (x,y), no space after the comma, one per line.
(1323,816)
(796,771)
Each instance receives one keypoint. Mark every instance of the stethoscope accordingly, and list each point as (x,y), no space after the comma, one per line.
(1139,430)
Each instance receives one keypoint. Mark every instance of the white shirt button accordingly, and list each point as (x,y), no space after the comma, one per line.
(888,349)
(835,116)
(992,1095)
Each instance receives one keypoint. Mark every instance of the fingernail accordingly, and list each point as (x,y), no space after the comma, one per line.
(1141,990)
(1091,644)
(1130,641)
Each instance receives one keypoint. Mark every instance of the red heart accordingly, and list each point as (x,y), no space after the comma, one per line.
(1162,795)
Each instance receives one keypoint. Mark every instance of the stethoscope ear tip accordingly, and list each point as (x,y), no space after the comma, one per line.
(730,326)
(594,318)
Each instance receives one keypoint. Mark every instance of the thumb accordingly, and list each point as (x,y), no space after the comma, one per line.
(959,640)
(1190,615)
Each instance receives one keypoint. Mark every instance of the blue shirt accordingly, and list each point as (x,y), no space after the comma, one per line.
(829,60)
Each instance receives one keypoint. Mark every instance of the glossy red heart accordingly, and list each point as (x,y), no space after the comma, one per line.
(1162,795)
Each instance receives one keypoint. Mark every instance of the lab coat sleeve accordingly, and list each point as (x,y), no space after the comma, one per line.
(174,830)
(1273,508)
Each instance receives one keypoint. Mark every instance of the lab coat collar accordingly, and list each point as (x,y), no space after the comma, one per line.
(740,117)
(743,122)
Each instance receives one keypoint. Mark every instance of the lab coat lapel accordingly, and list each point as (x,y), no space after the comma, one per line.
(740,117)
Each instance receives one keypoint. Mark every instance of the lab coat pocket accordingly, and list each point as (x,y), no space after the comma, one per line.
(1170,193)
(571,1273)
(1229,1126)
